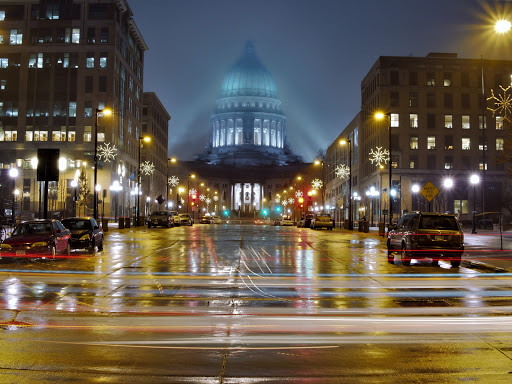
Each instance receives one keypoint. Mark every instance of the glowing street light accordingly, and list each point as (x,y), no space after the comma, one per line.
(104,112)
(502,26)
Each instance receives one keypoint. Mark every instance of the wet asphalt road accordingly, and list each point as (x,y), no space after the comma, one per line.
(250,304)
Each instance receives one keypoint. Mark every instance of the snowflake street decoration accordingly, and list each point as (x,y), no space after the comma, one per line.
(107,152)
(192,191)
(379,156)
(285,203)
(290,200)
(202,197)
(502,103)
(317,184)
(147,168)
(208,201)
(342,171)
(174,181)
(298,194)
(215,198)
(277,200)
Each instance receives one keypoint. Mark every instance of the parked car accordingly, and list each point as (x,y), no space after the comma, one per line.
(322,220)
(37,238)
(216,220)
(286,220)
(175,218)
(205,220)
(185,219)
(162,218)
(85,233)
(422,235)
(300,222)
(306,222)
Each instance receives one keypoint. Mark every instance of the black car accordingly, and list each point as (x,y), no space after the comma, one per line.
(307,220)
(422,235)
(85,233)
(163,218)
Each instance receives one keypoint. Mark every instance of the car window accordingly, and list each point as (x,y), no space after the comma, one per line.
(438,222)
(33,229)
(401,222)
(60,226)
(77,224)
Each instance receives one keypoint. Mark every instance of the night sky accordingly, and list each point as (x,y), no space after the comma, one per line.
(318,51)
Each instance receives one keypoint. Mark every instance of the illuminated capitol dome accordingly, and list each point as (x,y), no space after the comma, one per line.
(248,127)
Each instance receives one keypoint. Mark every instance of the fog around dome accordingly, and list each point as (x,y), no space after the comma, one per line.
(248,77)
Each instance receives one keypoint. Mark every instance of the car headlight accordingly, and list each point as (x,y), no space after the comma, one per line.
(5,247)
(39,244)
(85,237)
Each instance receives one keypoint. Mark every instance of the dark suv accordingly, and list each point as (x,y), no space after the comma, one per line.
(423,235)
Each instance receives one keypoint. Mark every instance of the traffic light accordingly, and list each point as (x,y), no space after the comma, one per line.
(278,209)
(226,213)
(265,212)
(301,200)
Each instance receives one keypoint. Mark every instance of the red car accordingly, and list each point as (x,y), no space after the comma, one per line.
(36,239)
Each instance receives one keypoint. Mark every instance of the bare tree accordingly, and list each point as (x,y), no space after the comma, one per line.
(83,190)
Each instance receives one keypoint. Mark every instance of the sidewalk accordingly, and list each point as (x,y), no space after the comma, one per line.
(484,250)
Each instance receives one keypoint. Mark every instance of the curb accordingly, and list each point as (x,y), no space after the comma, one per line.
(482,266)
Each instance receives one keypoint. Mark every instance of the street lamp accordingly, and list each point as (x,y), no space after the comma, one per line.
(415,189)
(191,176)
(146,139)
(105,112)
(350,223)
(320,162)
(372,193)
(380,116)
(173,161)
(448,184)
(116,187)
(13,173)
(474,179)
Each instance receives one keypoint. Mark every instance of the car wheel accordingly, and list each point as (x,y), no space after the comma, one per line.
(68,249)
(455,262)
(90,248)
(149,225)
(100,245)
(406,259)
(435,262)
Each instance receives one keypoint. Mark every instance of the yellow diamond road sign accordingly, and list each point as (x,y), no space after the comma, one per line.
(429,191)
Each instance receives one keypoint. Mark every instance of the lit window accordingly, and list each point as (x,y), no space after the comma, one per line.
(71,135)
(8,135)
(1,39)
(413,142)
(431,142)
(29,136)
(499,123)
(447,82)
(460,206)
(448,165)
(395,120)
(101,136)
(499,143)
(2,15)
(448,121)
(466,144)
(75,36)
(412,164)
(413,119)
(465,122)
(103,60)
(481,166)
(87,133)
(4,62)
(90,60)
(16,36)
(72,109)
(56,136)
(41,136)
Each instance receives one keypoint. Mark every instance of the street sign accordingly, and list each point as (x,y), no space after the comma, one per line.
(429,191)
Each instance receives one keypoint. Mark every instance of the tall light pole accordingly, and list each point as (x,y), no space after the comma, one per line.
(146,139)
(13,173)
(105,112)
(448,184)
(170,160)
(350,223)
(191,176)
(379,116)
(474,179)
(320,162)
(415,189)
(74,185)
